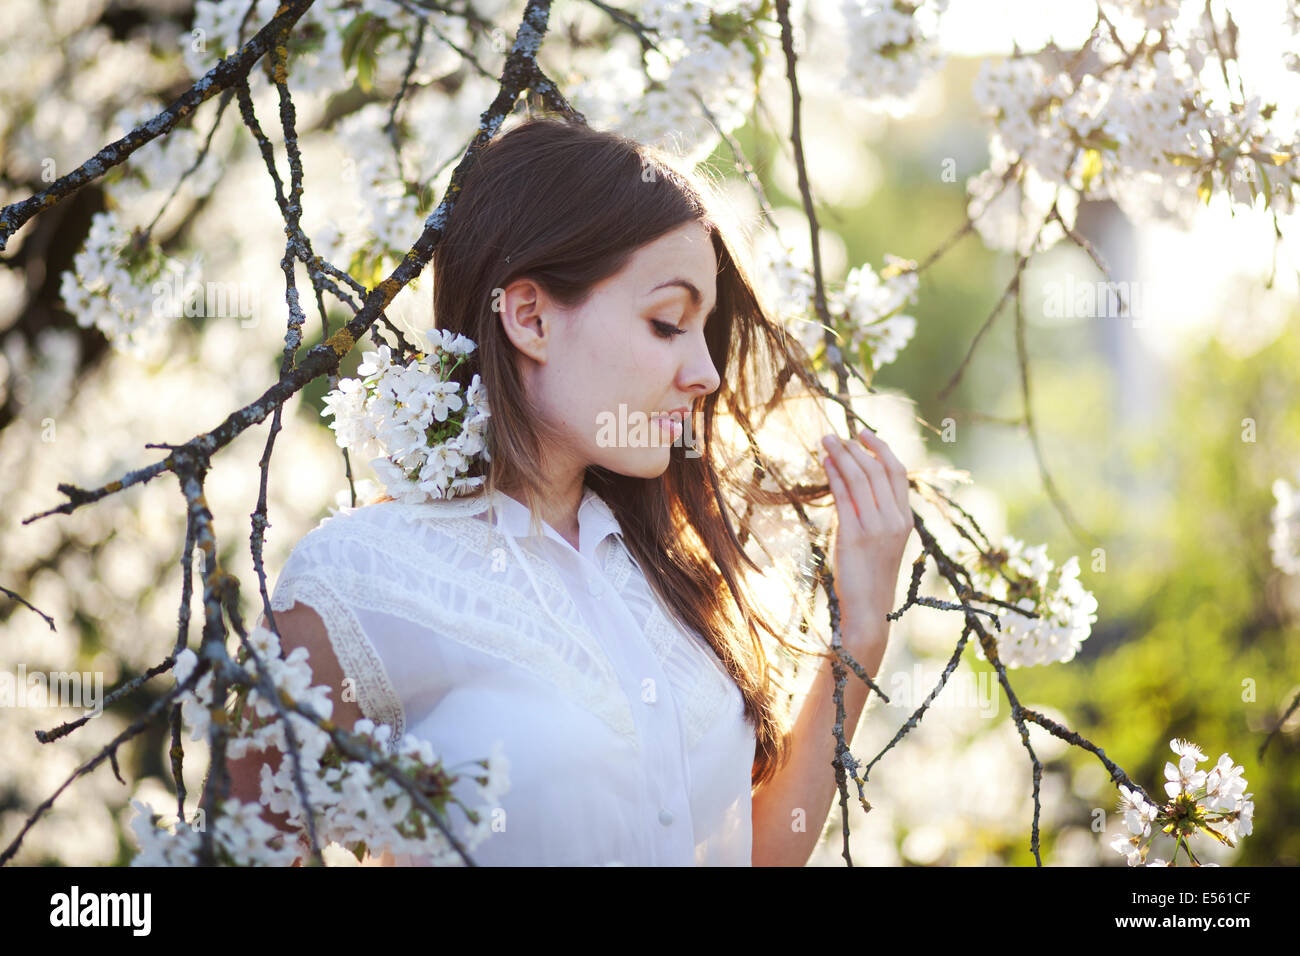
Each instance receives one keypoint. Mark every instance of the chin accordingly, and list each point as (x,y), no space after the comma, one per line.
(640,463)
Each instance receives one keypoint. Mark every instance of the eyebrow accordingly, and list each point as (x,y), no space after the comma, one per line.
(696,296)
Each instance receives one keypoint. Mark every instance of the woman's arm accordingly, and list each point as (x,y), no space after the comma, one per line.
(873,523)
(790,809)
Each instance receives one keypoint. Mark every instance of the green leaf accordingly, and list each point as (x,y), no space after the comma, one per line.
(352,36)
(365,68)
(726,27)
(366,266)
(1206,187)
(357,264)
(865,358)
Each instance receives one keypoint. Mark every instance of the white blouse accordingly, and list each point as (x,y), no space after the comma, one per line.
(626,739)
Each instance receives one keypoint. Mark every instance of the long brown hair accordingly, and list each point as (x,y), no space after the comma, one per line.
(567,206)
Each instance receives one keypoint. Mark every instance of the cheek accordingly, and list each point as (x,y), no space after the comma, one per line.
(641,378)
(620,365)
(629,366)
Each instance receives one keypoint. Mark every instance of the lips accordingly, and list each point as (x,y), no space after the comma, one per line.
(673,422)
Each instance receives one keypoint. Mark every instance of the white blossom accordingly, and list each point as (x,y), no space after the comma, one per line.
(700,50)
(1138,813)
(1143,130)
(353,803)
(1065,609)
(890,50)
(387,415)
(1216,801)
(120,290)
(1184,776)
(871,308)
(867,311)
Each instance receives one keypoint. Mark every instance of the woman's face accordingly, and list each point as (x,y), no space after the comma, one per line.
(609,372)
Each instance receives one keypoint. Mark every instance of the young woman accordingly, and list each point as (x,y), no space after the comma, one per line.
(586,608)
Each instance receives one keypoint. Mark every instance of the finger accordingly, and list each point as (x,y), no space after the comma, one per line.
(854,479)
(880,448)
(879,479)
(844,504)
(896,469)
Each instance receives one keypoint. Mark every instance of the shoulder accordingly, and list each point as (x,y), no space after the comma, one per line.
(433,518)
(390,557)
(397,531)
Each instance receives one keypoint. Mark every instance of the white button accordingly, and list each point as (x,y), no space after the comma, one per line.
(665,817)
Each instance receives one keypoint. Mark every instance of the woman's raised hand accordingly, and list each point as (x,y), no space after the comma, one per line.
(869,485)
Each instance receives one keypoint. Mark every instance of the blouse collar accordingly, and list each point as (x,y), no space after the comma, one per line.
(596,520)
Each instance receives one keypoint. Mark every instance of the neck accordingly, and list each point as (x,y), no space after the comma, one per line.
(559,505)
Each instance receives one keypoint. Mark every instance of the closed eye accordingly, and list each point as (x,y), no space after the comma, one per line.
(666,331)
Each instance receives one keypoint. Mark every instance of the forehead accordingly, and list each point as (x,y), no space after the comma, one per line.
(686,253)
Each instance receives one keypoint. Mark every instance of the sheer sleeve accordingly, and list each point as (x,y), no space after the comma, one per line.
(336,577)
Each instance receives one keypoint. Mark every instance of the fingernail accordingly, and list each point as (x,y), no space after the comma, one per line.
(826,440)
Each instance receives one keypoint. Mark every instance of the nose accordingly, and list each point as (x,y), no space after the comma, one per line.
(698,374)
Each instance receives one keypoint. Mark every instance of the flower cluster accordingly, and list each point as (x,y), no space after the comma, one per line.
(866,314)
(1214,801)
(785,278)
(411,422)
(314,44)
(1285,537)
(871,306)
(241,837)
(385,212)
(112,285)
(1027,579)
(1144,126)
(354,804)
(891,49)
(709,49)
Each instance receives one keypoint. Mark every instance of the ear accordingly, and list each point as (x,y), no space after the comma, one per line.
(527,317)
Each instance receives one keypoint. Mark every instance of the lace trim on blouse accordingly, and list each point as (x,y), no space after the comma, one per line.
(357,656)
